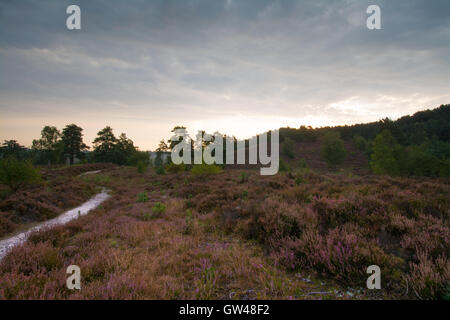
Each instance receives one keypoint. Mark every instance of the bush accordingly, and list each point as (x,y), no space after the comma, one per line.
(333,150)
(288,147)
(160,170)
(158,209)
(141,166)
(243,177)
(386,154)
(18,173)
(205,169)
(142,197)
(284,166)
(175,168)
(302,164)
(361,143)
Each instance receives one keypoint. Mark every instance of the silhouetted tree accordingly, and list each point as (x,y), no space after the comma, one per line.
(49,145)
(72,138)
(105,145)
(162,146)
(12,148)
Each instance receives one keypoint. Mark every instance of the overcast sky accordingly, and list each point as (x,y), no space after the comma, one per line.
(238,66)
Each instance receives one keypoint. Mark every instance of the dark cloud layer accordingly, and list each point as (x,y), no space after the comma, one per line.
(241,66)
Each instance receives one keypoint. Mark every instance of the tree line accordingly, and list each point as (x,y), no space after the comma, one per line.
(417,145)
(55,147)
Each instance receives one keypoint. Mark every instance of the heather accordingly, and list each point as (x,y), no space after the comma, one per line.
(239,235)
(59,189)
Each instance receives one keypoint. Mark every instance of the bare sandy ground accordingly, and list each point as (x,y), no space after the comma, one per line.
(95,201)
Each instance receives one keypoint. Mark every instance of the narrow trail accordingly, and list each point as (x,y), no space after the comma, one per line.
(94,202)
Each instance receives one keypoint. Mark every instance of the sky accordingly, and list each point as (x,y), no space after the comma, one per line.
(240,67)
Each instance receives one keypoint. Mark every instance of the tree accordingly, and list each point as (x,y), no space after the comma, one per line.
(72,138)
(174,143)
(162,147)
(421,162)
(333,150)
(361,143)
(105,145)
(50,144)
(124,150)
(18,173)
(12,148)
(288,147)
(387,154)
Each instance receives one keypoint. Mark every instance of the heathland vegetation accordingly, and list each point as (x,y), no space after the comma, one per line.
(345,198)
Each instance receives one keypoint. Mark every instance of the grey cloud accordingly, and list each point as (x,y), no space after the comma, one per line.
(207,58)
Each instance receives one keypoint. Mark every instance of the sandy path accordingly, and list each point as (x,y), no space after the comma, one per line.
(7,244)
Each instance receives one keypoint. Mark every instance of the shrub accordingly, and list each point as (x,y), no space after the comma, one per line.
(243,177)
(386,151)
(298,180)
(175,168)
(142,197)
(18,173)
(206,169)
(288,147)
(6,225)
(147,216)
(333,150)
(429,279)
(141,166)
(158,209)
(284,166)
(189,222)
(302,164)
(160,170)
(361,143)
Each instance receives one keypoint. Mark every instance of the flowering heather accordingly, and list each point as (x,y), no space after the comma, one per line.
(298,235)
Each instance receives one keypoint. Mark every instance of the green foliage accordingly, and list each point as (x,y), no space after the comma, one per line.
(288,147)
(302,163)
(175,168)
(444,170)
(138,156)
(160,170)
(11,148)
(206,169)
(49,148)
(141,166)
(158,209)
(302,134)
(147,216)
(104,145)
(243,177)
(387,155)
(284,166)
(108,148)
(72,140)
(142,197)
(18,173)
(360,143)
(333,150)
